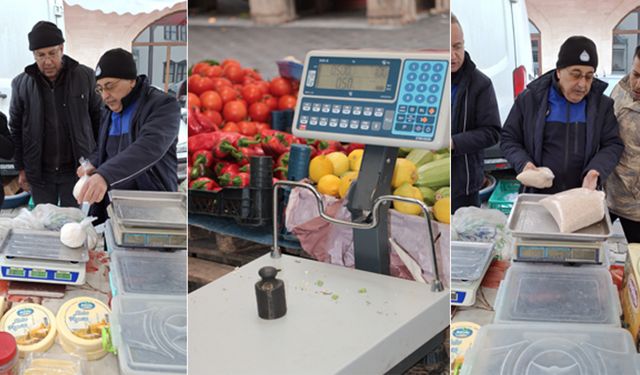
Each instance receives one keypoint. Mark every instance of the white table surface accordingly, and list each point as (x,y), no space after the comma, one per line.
(338,321)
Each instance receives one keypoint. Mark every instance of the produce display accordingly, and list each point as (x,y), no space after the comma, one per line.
(230,113)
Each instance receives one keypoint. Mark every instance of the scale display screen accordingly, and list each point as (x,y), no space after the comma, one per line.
(557,253)
(352,77)
(18,272)
(65,276)
(38,274)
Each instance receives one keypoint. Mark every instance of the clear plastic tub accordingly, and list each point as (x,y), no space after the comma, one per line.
(150,334)
(469,259)
(552,293)
(553,349)
(149,273)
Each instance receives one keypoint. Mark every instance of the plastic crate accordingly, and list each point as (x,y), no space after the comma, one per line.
(504,195)
(247,206)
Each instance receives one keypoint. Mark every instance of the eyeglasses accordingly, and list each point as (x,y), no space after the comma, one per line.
(52,55)
(108,87)
(577,75)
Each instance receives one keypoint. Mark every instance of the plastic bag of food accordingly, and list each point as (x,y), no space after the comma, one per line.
(53,217)
(539,178)
(475,224)
(576,208)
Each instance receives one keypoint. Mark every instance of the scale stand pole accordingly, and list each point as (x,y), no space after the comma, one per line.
(377,204)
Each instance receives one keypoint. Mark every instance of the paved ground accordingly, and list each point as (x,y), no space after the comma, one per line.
(260,46)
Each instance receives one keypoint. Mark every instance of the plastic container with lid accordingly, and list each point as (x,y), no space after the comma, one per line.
(553,293)
(469,260)
(149,273)
(80,322)
(52,364)
(8,354)
(33,326)
(551,348)
(150,334)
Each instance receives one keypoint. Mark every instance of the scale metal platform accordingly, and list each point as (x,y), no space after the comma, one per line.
(39,256)
(469,263)
(538,237)
(148,219)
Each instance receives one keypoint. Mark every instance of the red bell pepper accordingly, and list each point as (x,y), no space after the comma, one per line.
(206,124)
(204,183)
(327,147)
(240,180)
(203,157)
(200,170)
(282,166)
(224,146)
(353,146)
(204,141)
(248,152)
(231,169)
(194,126)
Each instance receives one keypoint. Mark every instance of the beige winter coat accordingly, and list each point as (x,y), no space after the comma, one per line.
(623,185)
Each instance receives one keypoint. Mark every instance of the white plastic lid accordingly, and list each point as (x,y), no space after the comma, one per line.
(150,334)
(553,293)
(145,273)
(553,349)
(32,325)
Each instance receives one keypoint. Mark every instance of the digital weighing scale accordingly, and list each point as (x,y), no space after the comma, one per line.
(385,100)
(469,263)
(538,237)
(39,256)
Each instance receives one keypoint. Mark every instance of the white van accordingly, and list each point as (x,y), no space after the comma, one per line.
(496,35)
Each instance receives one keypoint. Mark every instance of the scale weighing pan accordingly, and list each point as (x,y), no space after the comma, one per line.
(469,260)
(149,209)
(146,237)
(41,245)
(529,219)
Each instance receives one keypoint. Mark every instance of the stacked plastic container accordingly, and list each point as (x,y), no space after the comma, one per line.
(149,309)
(553,319)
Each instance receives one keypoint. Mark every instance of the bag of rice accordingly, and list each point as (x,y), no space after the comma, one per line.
(539,178)
(575,208)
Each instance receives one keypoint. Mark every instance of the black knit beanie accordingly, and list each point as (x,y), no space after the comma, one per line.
(577,50)
(44,34)
(116,63)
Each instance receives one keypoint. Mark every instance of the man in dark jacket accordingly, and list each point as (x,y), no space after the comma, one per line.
(54,118)
(475,123)
(563,121)
(138,134)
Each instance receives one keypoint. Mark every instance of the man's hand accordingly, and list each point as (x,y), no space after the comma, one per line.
(22,181)
(529,166)
(591,179)
(90,169)
(93,190)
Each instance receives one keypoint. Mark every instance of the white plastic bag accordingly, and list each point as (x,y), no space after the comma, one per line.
(539,178)
(75,234)
(53,217)
(483,225)
(576,208)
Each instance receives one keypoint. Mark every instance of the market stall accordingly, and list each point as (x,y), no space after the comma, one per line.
(119,308)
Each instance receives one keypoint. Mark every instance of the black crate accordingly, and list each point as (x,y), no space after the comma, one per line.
(247,206)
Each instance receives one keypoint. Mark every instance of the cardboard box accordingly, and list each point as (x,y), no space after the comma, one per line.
(631,293)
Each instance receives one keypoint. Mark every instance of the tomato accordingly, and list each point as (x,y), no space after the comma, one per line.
(235,111)
(234,73)
(231,127)
(193,100)
(280,86)
(211,100)
(214,116)
(200,67)
(198,84)
(247,128)
(226,62)
(213,71)
(263,86)
(219,82)
(251,93)
(259,112)
(271,101)
(227,93)
(261,127)
(287,102)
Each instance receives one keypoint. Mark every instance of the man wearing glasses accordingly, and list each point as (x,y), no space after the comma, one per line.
(564,122)
(54,118)
(138,134)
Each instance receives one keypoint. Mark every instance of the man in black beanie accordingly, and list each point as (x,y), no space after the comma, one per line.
(138,134)
(54,118)
(563,121)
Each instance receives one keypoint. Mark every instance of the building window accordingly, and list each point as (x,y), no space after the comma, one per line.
(177,71)
(183,32)
(171,32)
(535,48)
(626,37)
(181,71)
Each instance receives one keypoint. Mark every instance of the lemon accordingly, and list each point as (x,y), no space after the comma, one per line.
(345,182)
(355,159)
(340,162)
(442,210)
(404,172)
(320,166)
(408,191)
(329,185)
